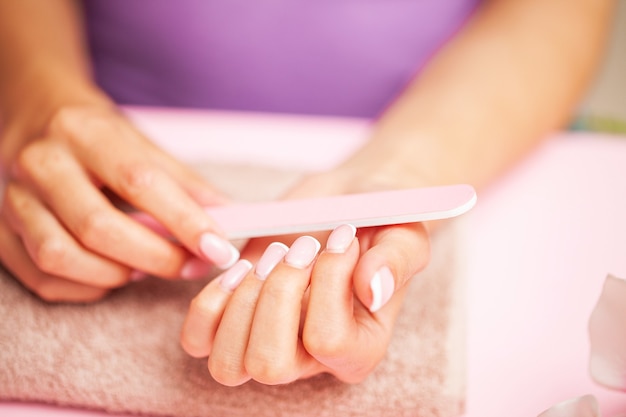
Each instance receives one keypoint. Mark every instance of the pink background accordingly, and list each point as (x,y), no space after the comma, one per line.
(536,248)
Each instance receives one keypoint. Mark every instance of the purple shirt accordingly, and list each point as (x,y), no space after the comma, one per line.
(334,57)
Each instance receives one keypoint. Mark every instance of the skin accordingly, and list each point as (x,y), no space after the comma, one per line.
(509,78)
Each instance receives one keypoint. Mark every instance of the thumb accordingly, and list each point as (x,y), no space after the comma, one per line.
(393,254)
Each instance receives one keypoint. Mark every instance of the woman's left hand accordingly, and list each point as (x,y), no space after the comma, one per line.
(294,315)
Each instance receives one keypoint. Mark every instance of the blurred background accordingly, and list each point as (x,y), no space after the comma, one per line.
(604,108)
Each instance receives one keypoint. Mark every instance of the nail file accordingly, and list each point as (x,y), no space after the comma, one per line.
(248,220)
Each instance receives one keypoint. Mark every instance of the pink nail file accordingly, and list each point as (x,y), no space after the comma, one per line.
(242,221)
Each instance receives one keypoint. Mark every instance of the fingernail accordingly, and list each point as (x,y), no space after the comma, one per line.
(382,285)
(608,370)
(218,250)
(607,335)
(231,278)
(341,238)
(195,268)
(274,253)
(585,406)
(302,252)
(138,275)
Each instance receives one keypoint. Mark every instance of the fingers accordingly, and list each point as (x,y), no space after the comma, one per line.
(51,248)
(259,331)
(47,287)
(394,255)
(140,174)
(330,319)
(339,332)
(207,308)
(91,219)
(226,362)
(257,335)
(65,230)
(85,147)
(275,354)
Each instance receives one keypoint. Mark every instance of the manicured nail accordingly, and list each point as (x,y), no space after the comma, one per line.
(606,371)
(138,275)
(585,406)
(274,253)
(218,250)
(382,285)
(341,238)
(607,335)
(195,268)
(231,278)
(302,252)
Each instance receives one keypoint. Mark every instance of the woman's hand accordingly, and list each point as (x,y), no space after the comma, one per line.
(307,316)
(293,316)
(65,240)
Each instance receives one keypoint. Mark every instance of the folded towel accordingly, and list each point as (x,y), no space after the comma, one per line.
(122,354)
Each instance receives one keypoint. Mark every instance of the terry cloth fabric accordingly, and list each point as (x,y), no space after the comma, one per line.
(122,354)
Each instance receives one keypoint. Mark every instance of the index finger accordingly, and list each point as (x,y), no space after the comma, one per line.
(127,165)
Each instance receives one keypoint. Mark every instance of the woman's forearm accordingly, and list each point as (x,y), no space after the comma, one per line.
(42,53)
(43,66)
(512,75)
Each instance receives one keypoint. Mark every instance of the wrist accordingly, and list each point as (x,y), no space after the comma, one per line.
(32,100)
(44,86)
(395,161)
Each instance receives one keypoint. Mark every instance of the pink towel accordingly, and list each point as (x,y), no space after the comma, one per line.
(122,354)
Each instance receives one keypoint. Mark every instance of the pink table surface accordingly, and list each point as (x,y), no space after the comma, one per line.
(535,249)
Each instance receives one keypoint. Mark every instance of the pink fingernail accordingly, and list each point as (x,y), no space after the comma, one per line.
(302,252)
(382,286)
(230,279)
(274,253)
(218,250)
(195,268)
(341,238)
(607,335)
(585,406)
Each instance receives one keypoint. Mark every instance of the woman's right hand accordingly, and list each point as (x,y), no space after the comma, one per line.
(60,234)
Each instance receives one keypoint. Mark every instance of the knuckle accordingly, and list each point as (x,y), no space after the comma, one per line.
(51,255)
(39,160)
(95,227)
(325,343)
(69,120)
(192,346)
(135,179)
(65,119)
(269,368)
(15,199)
(205,307)
(30,157)
(225,372)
